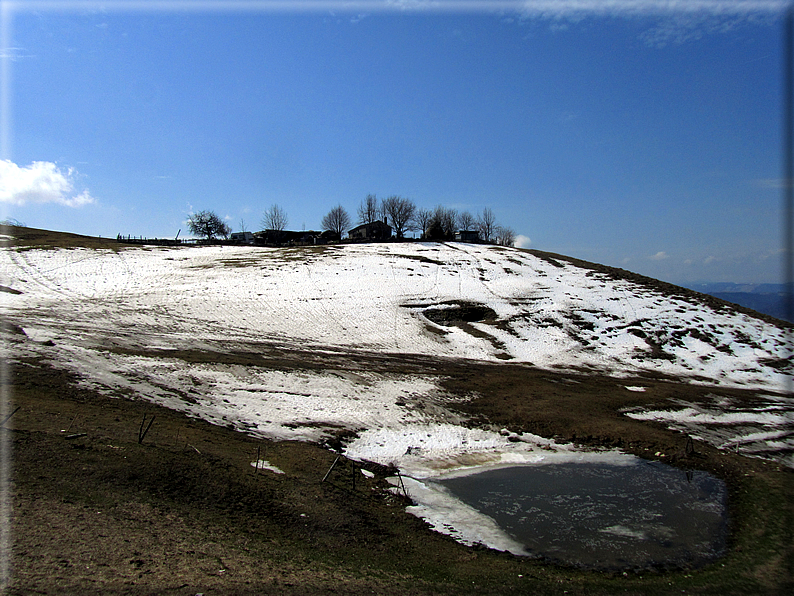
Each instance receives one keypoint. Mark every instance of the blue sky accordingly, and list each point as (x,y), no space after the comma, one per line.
(638,134)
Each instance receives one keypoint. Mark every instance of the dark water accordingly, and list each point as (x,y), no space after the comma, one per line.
(604,516)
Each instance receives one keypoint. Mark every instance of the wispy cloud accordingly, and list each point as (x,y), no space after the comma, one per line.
(566,8)
(554,9)
(40,182)
(671,21)
(14,53)
(659,256)
(568,116)
(777,183)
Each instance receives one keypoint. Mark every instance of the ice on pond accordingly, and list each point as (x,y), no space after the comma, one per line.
(600,515)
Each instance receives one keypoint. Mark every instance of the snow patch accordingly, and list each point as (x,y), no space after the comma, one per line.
(765,430)
(450,516)
(263,464)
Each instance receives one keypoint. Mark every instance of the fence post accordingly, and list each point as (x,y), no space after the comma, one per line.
(141,432)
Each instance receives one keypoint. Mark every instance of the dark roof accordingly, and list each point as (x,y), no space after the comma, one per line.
(374,224)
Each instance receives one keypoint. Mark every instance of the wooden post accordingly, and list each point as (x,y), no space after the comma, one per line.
(141,431)
(689,448)
(405,492)
(7,418)
(68,428)
(328,473)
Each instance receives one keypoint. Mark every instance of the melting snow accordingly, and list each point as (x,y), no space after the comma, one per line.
(372,296)
(90,310)
(765,430)
(263,464)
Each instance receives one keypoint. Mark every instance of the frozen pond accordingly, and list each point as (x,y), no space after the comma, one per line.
(605,516)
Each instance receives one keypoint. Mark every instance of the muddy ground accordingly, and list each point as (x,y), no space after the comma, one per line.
(183,512)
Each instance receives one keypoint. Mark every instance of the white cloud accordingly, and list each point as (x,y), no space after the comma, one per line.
(522,241)
(659,256)
(40,182)
(709,260)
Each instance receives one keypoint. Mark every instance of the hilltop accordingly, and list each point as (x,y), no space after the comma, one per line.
(416,356)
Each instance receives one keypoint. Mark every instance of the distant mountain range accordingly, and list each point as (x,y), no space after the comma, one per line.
(764,298)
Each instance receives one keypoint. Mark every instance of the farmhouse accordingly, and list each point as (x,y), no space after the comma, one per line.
(242,237)
(328,236)
(290,237)
(467,236)
(377,230)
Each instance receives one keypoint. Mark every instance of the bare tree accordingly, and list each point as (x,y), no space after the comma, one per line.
(208,224)
(442,225)
(369,211)
(423,217)
(466,221)
(400,212)
(274,218)
(505,236)
(486,223)
(336,220)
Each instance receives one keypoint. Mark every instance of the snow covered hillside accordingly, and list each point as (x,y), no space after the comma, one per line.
(118,319)
(201,330)
(455,300)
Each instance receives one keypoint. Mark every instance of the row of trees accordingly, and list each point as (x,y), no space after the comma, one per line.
(208,225)
(400,213)
(440,223)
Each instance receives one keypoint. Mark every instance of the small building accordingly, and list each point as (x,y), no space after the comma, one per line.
(377,230)
(242,237)
(286,237)
(467,236)
(328,236)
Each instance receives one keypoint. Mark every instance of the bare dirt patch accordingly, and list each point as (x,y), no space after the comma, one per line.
(457,312)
